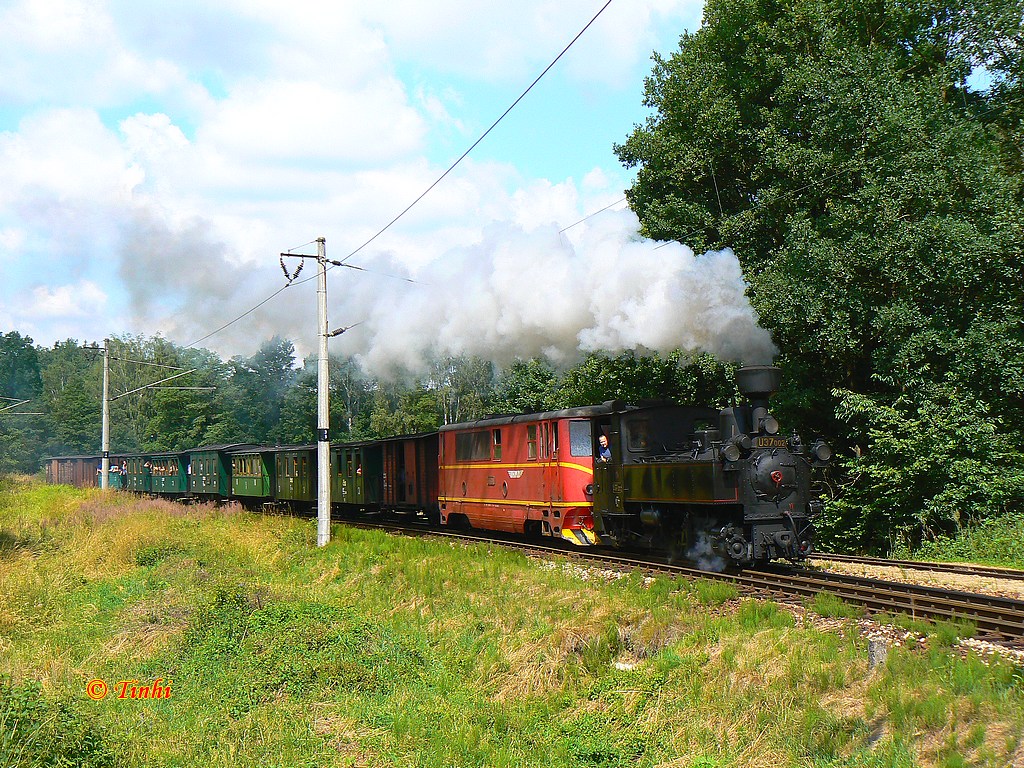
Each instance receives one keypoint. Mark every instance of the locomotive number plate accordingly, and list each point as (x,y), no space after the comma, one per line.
(771,442)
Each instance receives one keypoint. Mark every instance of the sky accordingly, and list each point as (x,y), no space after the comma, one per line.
(157,158)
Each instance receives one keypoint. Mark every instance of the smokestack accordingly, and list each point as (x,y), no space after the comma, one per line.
(758,383)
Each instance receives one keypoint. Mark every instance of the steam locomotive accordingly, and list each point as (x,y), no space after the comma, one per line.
(708,484)
(720,484)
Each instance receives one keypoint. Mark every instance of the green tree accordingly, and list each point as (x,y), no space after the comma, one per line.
(463,387)
(21,436)
(934,467)
(248,406)
(873,198)
(680,378)
(72,379)
(402,409)
(527,386)
(168,416)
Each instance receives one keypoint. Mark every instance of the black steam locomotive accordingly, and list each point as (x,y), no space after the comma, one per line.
(713,485)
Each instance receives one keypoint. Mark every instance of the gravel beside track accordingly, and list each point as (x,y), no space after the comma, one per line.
(967,569)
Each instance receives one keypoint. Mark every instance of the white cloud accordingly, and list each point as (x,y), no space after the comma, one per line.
(71,51)
(279,120)
(64,302)
(12,240)
(507,41)
(66,154)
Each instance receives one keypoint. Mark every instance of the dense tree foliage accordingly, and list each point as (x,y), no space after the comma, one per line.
(875,200)
(21,436)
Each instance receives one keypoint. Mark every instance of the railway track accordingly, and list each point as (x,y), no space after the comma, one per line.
(965,569)
(997,618)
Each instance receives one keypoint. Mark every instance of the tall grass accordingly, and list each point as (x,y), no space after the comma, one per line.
(995,541)
(380,650)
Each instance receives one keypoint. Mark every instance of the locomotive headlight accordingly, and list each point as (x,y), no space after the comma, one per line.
(822,451)
(731,452)
(770,425)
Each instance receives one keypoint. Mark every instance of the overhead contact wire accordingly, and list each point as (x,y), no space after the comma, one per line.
(483,136)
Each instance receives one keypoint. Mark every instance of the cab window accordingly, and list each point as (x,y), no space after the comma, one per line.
(580,438)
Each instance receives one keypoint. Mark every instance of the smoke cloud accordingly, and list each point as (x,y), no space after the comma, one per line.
(515,294)
(519,294)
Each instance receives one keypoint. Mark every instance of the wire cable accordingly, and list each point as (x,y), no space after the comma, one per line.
(228,324)
(589,215)
(483,136)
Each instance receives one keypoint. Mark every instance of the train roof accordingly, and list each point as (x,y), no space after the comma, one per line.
(225,447)
(583,412)
(81,456)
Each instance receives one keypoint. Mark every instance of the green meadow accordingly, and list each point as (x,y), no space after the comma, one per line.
(246,645)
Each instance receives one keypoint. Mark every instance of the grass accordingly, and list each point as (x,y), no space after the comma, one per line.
(995,541)
(380,650)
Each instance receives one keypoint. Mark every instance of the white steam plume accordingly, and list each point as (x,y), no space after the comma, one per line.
(522,294)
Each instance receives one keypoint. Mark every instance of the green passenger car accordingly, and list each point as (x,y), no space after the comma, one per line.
(167,474)
(210,471)
(140,474)
(295,471)
(356,470)
(253,475)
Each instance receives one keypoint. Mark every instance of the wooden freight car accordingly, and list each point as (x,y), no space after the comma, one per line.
(82,471)
(409,479)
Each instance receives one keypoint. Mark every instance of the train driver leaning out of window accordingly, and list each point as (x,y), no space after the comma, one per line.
(603,451)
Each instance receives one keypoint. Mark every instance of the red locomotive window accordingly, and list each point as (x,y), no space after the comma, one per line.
(580,438)
(473,446)
(496,436)
(531,441)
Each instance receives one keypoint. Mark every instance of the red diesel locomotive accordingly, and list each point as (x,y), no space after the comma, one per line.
(530,474)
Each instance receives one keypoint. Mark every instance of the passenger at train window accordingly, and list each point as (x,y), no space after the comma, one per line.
(604,453)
